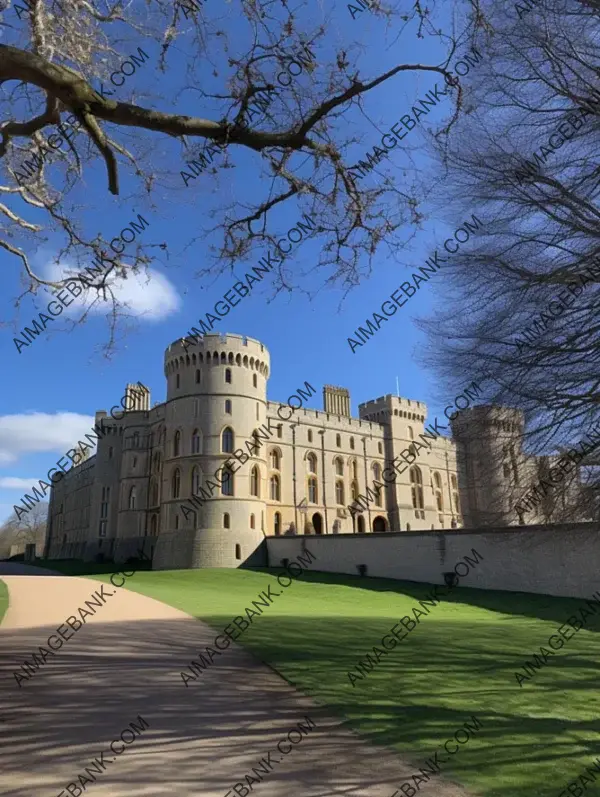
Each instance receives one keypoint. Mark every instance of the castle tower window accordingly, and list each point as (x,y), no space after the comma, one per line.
(238,551)
(313,492)
(416,487)
(275,459)
(339,492)
(257,411)
(196,442)
(226,521)
(339,466)
(312,463)
(136,440)
(153,522)
(198,376)
(227,484)
(280,430)
(175,483)
(377,471)
(354,490)
(131,501)
(255,482)
(275,488)
(177,381)
(227,406)
(228,375)
(338,440)
(411,434)
(176,443)
(352,443)
(196,480)
(310,436)
(176,520)
(354,470)
(252,522)
(439,497)
(378,501)
(227,440)
(277,524)
(254,380)
(380,448)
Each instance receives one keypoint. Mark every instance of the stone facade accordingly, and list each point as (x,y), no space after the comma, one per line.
(136,490)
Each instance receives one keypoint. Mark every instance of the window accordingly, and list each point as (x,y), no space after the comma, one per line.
(411,434)
(227,484)
(153,525)
(257,411)
(238,551)
(228,375)
(175,483)
(354,469)
(177,381)
(439,497)
(277,524)
(377,472)
(339,466)
(338,440)
(312,463)
(226,521)
(255,482)
(352,443)
(313,493)
(380,448)
(227,406)
(275,459)
(408,526)
(252,522)
(131,502)
(136,440)
(310,435)
(102,529)
(197,376)
(176,520)
(254,380)
(354,490)
(134,463)
(195,442)
(416,487)
(275,491)
(339,492)
(176,443)
(196,480)
(227,441)
(378,496)
(280,430)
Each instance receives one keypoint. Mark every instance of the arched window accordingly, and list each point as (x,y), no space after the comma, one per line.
(197,376)
(252,521)
(275,459)
(354,469)
(227,483)
(411,434)
(339,492)
(352,443)
(310,435)
(228,406)
(176,443)
(439,497)
(377,471)
(196,442)
(175,483)
(226,520)
(416,487)
(277,524)
(354,490)
(254,380)
(313,492)
(131,502)
(339,466)
(196,480)
(312,462)
(228,375)
(275,491)
(255,482)
(338,440)
(378,501)
(227,440)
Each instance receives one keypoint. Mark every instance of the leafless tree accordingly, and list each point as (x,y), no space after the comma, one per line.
(55,60)
(29,529)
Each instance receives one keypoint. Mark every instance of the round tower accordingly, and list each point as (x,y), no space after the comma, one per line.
(214,510)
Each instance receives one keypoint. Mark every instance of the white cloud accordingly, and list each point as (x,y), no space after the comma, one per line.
(26,433)
(16,483)
(148,295)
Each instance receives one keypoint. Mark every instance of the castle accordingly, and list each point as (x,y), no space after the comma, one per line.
(165,477)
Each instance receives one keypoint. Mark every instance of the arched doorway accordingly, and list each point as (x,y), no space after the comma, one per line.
(317,523)
(379,524)
(360,523)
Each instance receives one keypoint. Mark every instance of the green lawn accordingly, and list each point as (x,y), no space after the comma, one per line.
(459,661)
(3,599)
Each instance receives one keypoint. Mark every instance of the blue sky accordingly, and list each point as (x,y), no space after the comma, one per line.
(61,379)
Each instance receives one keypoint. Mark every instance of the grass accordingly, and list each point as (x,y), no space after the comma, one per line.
(459,661)
(3,599)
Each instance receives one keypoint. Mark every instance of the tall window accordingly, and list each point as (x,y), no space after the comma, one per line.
(176,443)
(196,480)
(176,520)
(416,487)
(352,443)
(312,463)
(313,492)
(105,501)
(338,440)
(153,492)
(136,439)
(380,448)
(227,483)
(227,441)
(354,469)
(252,522)
(280,430)
(378,501)
(238,551)
(254,380)
(102,529)
(339,466)
(131,502)
(275,491)
(377,472)
(339,492)
(277,524)
(175,483)
(226,521)
(197,376)
(455,497)
(228,375)
(227,406)
(439,498)
(177,380)
(310,435)
(255,482)
(354,490)
(411,434)
(275,459)
(195,442)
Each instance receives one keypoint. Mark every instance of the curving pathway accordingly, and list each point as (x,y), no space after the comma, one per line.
(201,740)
